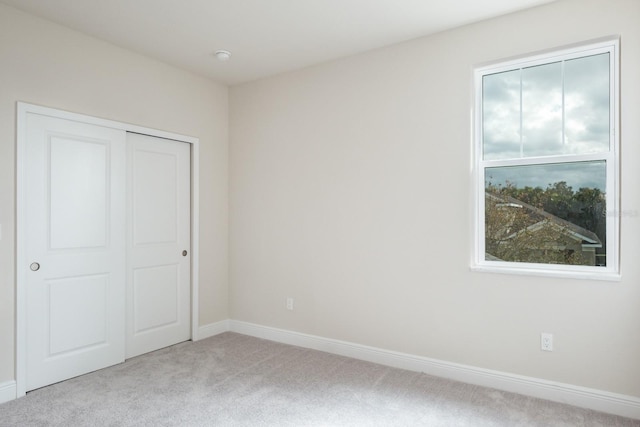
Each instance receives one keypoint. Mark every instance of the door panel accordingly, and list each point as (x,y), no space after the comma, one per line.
(158,275)
(78,313)
(155,208)
(156,297)
(78,206)
(75,243)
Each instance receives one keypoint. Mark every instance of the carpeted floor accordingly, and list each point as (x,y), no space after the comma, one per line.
(236,380)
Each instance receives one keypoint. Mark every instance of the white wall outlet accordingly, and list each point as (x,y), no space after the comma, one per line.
(289,303)
(546,341)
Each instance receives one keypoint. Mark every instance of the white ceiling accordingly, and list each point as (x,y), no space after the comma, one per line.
(265,37)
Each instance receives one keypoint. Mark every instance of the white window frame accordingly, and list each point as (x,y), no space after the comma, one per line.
(612,269)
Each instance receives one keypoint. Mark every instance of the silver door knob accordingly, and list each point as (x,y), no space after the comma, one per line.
(34,266)
(184,253)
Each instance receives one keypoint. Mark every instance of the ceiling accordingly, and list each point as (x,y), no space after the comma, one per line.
(266,37)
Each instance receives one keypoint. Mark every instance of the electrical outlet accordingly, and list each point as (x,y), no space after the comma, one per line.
(289,303)
(546,341)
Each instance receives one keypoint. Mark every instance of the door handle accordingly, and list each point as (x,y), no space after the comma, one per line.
(184,253)
(34,266)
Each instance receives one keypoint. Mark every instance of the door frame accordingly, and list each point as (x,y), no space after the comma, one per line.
(21,259)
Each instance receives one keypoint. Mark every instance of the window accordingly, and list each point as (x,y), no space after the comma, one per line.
(546,163)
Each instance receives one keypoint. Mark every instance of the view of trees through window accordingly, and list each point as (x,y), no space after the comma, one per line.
(554,225)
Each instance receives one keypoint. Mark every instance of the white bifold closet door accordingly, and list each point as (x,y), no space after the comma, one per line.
(107,239)
(75,246)
(158,271)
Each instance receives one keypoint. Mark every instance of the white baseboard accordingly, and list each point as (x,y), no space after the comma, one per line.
(212,329)
(7,391)
(612,403)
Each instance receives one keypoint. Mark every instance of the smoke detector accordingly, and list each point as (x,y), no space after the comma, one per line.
(222,55)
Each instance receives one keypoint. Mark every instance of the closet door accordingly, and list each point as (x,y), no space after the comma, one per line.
(74,242)
(159,247)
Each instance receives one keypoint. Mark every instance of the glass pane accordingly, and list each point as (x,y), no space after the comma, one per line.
(586,91)
(549,214)
(501,115)
(542,110)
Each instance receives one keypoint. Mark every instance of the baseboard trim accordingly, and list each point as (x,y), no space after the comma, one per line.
(7,391)
(612,403)
(212,329)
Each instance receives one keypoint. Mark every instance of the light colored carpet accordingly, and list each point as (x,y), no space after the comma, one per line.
(236,380)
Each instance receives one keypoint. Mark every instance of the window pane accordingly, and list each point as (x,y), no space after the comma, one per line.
(501,115)
(542,110)
(550,214)
(587,104)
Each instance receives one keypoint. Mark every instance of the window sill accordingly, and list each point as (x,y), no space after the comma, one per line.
(529,271)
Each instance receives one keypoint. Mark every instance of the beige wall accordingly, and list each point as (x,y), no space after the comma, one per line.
(46,64)
(350,192)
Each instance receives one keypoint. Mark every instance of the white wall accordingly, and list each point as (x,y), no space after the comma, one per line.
(46,64)
(350,192)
